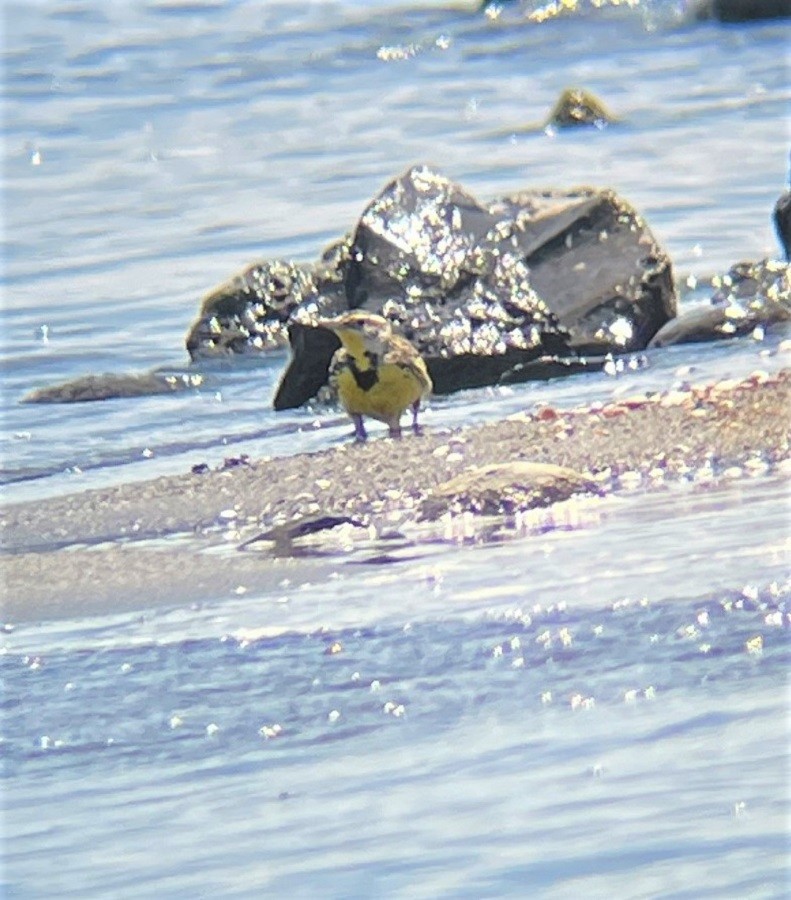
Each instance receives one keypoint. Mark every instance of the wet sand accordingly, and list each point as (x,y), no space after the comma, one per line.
(142,545)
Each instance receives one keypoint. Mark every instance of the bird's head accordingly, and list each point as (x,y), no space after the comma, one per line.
(360,332)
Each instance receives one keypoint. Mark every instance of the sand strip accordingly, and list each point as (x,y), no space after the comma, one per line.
(48,571)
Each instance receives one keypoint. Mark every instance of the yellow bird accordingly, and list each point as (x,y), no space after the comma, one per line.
(376,373)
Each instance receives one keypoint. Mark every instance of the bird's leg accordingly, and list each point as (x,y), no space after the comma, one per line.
(395,428)
(360,433)
(415,408)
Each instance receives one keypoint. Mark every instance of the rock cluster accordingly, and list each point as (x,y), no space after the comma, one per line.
(749,296)
(531,286)
(485,290)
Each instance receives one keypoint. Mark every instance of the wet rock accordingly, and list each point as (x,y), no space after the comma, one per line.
(488,289)
(505,488)
(312,350)
(574,108)
(307,372)
(577,107)
(438,264)
(745,10)
(594,261)
(250,312)
(702,324)
(749,296)
(782,220)
(233,462)
(282,538)
(110,386)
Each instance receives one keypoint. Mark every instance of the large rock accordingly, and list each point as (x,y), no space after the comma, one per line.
(448,271)
(486,291)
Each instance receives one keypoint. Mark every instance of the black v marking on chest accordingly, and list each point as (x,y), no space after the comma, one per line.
(365,378)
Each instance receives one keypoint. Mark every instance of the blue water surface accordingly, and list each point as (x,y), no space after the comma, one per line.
(597,710)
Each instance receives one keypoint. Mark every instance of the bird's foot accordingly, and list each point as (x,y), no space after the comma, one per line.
(416,428)
(360,434)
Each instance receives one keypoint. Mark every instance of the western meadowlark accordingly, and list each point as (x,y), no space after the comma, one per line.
(376,373)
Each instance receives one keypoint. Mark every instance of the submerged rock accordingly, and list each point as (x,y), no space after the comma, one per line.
(749,296)
(281,539)
(110,386)
(486,289)
(577,107)
(574,108)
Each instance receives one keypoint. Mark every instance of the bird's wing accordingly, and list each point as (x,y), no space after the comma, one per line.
(401,353)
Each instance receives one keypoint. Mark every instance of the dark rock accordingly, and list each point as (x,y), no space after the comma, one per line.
(306,374)
(111,386)
(233,462)
(283,536)
(447,271)
(488,289)
(313,348)
(747,10)
(782,220)
(749,296)
(250,312)
(596,264)
(464,372)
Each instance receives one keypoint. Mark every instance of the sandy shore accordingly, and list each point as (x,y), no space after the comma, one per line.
(124,548)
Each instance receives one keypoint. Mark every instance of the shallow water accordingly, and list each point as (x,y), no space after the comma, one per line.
(598,710)
(578,711)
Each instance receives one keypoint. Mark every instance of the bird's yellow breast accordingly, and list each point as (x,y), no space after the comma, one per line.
(395,389)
